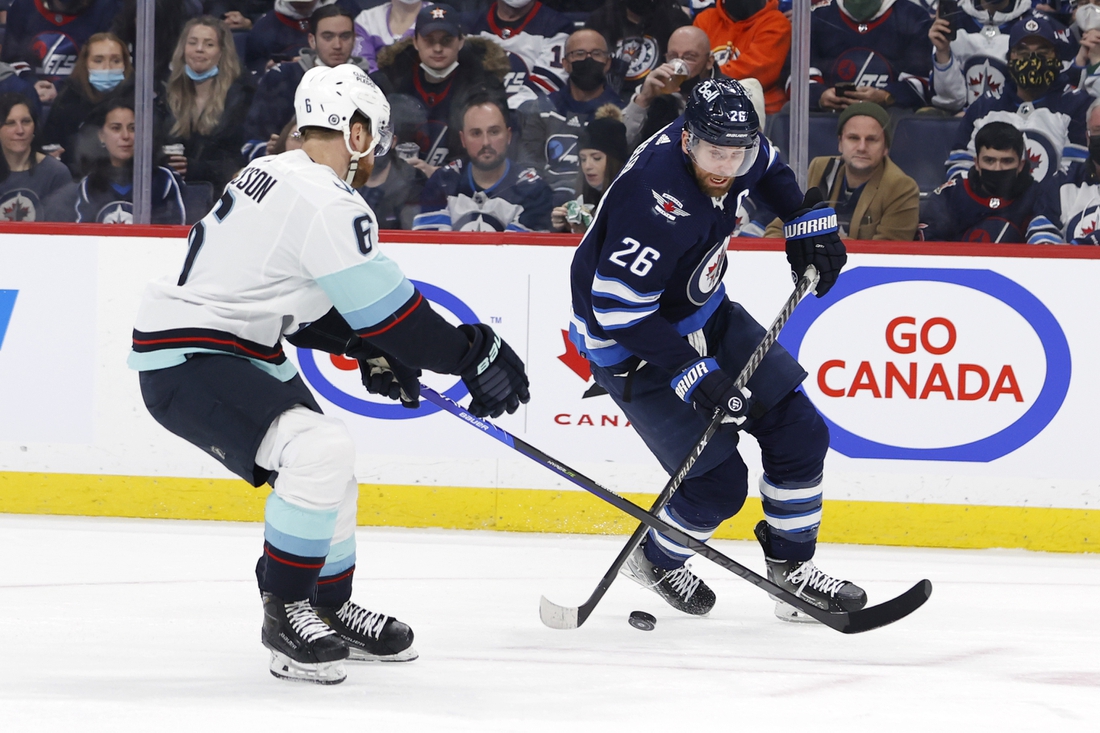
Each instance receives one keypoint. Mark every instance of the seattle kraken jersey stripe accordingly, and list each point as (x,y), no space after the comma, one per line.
(368,292)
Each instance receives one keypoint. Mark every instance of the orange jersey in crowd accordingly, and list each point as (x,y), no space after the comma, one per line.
(756,47)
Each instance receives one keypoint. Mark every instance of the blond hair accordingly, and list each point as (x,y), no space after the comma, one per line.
(181,90)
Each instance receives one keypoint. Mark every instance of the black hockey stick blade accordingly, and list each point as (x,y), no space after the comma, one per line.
(569,617)
(848,623)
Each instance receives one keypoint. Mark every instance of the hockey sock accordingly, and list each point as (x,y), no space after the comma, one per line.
(296,543)
(793,512)
(288,577)
(664,552)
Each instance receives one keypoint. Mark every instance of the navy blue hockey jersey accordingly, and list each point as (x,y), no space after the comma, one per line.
(1069,208)
(49,43)
(649,269)
(955,212)
(452,201)
(891,52)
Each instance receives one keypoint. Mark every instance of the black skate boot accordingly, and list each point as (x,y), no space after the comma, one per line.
(370,636)
(680,587)
(806,581)
(302,647)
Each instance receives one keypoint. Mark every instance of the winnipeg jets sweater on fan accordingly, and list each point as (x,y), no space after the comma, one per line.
(113,203)
(519,202)
(649,269)
(1069,208)
(891,51)
(958,212)
(1053,127)
(49,43)
(535,45)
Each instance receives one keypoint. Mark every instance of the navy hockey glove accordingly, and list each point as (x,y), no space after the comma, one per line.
(384,375)
(493,373)
(705,386)
(812,239)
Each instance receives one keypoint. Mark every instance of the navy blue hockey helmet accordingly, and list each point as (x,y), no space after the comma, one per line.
(720,112)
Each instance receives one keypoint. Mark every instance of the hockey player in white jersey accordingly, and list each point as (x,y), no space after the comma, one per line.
(291,250)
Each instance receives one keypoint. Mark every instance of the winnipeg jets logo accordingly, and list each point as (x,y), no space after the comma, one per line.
(668,206)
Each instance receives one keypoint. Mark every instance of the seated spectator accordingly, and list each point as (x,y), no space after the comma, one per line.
(27,175)
(204,104)
(288,139)
(533,36)
(1086,66)
(12,82)
(638,32)
(489,194)
(103,72)
(1034,100)
(1069,205)
(876,51)
(974,62)
(660,100)
(384,25)
(331,39)
(750,38)
(550,126)
(994,202)
(170,16)
(427,79)
(393,191)
(238,15)
(603,152)
(106,194)
(278,36)
(46,36)
(872,197)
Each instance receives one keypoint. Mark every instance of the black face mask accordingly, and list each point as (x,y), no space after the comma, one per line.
(1034,71)
(587,75)
(995,183)
(1094,149)
(742,9)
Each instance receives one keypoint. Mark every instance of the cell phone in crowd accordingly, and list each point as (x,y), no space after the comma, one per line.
(949,11)
(844,87)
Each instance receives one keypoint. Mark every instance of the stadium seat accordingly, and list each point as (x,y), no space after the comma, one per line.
(921,144)
(198,198)
(822,134)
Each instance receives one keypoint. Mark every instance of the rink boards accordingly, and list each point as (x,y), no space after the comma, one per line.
(959,383)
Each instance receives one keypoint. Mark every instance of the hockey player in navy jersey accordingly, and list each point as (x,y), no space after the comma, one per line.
(650,314)
(290,250)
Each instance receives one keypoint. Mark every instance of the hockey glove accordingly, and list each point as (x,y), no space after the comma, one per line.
(705,386)
(812,239)
(493,373)
(384,375)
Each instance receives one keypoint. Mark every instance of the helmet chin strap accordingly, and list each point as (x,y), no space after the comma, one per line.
(353,165)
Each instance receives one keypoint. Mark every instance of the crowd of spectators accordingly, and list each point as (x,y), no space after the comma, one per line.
(516,115)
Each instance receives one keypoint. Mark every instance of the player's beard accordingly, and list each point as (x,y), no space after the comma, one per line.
(702,179)
(362,173)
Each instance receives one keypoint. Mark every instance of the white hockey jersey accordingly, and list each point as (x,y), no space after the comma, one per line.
(287,241)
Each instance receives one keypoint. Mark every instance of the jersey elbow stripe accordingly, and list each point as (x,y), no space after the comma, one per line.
(393,320)
(621,318)
(618,290)
(378,312)
(356,288)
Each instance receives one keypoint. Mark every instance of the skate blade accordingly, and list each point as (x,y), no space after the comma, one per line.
(792,615)
(359,655)
(321,673)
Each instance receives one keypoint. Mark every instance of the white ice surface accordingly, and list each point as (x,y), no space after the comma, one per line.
(136,625)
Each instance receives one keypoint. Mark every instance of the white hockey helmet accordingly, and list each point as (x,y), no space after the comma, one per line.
(328,97)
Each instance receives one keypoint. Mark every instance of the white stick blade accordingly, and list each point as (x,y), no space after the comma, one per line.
(555,616)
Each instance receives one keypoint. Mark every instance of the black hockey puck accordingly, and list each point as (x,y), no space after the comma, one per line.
(642,620)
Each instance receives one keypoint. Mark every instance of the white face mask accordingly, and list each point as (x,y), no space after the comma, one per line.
(516,3)
(438,74)
(1088,17)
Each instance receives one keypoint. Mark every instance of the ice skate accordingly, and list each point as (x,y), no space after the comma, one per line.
(806,581)
(370,636)
(680,587)
(302,647)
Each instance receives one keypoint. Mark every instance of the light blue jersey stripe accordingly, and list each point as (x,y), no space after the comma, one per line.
(295,545)
(363,285)
(609,287)
(433,220)
(166,358)
(386,306)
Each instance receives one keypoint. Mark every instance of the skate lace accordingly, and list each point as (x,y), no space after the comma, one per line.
(808,574)
(305,621)
(362,621)
(683,581)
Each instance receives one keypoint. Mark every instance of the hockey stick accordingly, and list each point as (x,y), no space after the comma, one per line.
(567,617)
(852,622)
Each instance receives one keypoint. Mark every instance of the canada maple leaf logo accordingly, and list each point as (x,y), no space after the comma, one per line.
(573,359)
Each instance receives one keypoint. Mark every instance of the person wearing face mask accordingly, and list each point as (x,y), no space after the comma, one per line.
(994,202)
(663,95)
(204,104)
(47,37)
(384,25)
(279,35)
(750,38)
(551,126)
(533,35)
(637,31)
(330,42)
(973,63)
(869,51)
(1068,210)
(103,72)
(427,78)
(1035,99)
